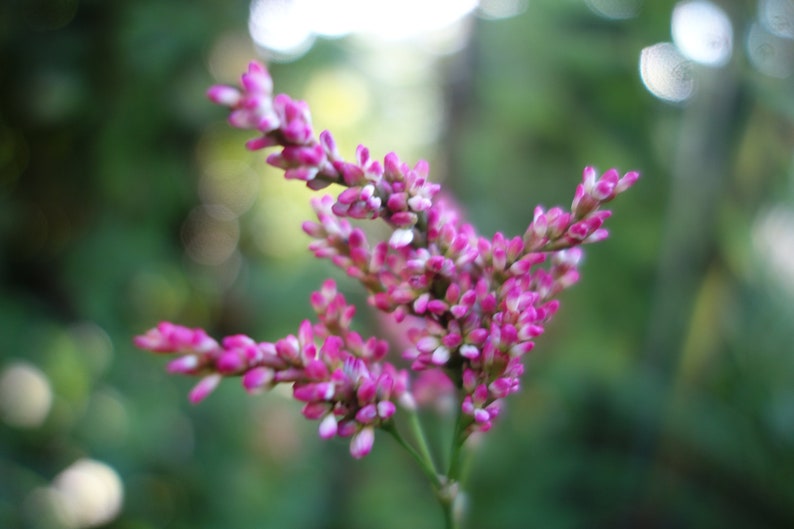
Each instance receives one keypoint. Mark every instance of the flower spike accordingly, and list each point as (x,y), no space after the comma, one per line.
(467,307)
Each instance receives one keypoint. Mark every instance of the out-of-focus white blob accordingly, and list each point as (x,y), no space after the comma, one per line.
(496,9)
(88,493)
(331,19)
(770,54)
(666,73)
(286,29)
(25,395)
(773,238)
(777,16)
(703,32)
(400,20)
(280,28)
(615,9)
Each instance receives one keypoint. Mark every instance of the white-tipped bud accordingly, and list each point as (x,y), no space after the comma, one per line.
(328,426)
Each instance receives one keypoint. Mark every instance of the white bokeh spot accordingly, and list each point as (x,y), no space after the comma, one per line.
(666,73)
(702,32)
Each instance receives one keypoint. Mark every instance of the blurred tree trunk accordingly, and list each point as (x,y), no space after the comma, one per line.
(701,176)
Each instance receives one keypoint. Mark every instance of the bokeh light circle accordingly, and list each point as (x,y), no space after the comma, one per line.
(666,73)
(702,32)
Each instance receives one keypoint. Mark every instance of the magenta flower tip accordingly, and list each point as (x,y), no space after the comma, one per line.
(224,95)
(230,362)
(257,79)
(401,238)
(367,414)
(361,443)
(589,176)
(259,143)
(257,378)
(145,341)
(205,386)
(185,364)
(386,409)
(598,236)
(440,356)
(328,427)
(628,180)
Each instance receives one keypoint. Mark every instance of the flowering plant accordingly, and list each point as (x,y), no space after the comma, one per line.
(471,305)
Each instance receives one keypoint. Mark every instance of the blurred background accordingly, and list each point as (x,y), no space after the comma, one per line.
(661,396)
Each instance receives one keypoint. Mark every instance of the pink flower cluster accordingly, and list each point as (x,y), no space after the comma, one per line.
(472,305)
(342,378)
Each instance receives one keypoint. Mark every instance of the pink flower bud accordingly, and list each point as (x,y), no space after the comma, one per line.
(224,95)
(392,166)
(329,144)
(403,219)
(349,195)
(589,176)
(185,364)
(205,386)
(427,344)
(597,236)
(481,415)
(469,351)
(420,304)
(361,443)
(627,181)
(367,414)
(467,406)
(501,387)
(440,355)
(420,203)
(386,409)
(397,201)
(316,410)
(452,340)
(478,336)
(401,238)
(230,362)
(367,390)
(346,428)
(257,379)
(288,348)
(314,391)
(257,79)
(437,306)
(603,191)
(316,370)
(328,427)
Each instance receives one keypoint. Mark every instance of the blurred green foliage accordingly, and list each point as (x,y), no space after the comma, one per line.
(660,397)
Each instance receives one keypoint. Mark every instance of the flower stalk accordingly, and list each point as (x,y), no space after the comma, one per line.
(470,306)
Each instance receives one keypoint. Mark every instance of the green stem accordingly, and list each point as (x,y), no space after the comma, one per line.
(424,463)
(446,498)
(456,450)
(451,488)
(445,487)
(449,517)
(421,439)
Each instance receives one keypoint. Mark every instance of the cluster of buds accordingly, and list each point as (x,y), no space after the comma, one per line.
(342,379)
(472,306)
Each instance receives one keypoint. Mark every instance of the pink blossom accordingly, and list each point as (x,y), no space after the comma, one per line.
(467,307)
